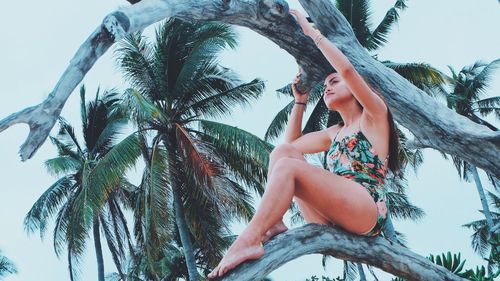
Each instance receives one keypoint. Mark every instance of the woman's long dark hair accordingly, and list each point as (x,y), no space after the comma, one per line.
(394,144)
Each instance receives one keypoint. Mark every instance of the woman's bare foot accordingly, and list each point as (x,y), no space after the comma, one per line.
(276,229)
(244,248)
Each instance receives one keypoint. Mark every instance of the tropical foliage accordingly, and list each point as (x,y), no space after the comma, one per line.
(199,172)
(86,197)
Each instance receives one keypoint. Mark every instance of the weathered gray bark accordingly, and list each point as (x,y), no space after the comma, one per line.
(433,124)
(316,238)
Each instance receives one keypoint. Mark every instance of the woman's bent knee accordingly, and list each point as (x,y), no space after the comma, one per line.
(286,165)
(285,150)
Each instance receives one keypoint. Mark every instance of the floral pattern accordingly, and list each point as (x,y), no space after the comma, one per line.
(353,157)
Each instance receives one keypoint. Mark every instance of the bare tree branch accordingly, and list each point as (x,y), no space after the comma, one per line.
(322,239)
(433,124)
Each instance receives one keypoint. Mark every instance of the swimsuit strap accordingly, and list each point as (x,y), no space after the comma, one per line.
(335,138)
(359,129)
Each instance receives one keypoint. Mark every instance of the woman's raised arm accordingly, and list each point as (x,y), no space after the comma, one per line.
(371,102)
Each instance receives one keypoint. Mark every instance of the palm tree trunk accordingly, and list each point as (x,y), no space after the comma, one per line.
(362,276)
(187,246)
(98,249)
(484,202)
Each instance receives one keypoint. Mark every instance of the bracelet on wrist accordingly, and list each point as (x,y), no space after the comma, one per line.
(303,103)
(317,42)
(316,35)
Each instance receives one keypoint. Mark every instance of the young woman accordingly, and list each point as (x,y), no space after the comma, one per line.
(351,194)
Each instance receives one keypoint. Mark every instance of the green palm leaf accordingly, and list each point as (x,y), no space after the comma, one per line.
(400,207)
(106,175)
(133,55)
(46,205)
(242,168)
(357,13)
(6,266)
(63,165)
(236,139)
(278,124)
(422,75)
(220,104)
(379,36)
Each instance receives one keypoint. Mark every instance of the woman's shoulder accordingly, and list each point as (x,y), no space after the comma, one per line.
(333,130)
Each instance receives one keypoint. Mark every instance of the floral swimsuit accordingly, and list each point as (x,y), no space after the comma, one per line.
(362,165)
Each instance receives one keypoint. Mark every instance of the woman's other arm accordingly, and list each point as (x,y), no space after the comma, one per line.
(309,143)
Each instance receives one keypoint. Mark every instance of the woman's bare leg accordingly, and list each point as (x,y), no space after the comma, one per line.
(335,197)
(308,212)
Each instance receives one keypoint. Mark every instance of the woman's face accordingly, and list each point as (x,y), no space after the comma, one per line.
(335,91)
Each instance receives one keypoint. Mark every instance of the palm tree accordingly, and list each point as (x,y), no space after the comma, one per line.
(484,244)
(87,194)
(422,75)
(6,266)
(465,98)
(192,186)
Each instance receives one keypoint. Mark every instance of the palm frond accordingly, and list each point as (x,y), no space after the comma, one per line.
(378,37)
(318,118)
(481,80)
(358,14)
(202,164)
(158,197)
(37,217)
(63,165)
(142,109)
(422,75)
(400,207)
(487,106)
(234,138)
(279,122)
(350,270)
(133,55)
(242,167)
(6,266)
(221,104)
(66,135)
(205,43)
(83,106)
(210,79)
(463,168)
(105,175)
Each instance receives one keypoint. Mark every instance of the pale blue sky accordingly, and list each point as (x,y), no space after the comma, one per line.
(38,44)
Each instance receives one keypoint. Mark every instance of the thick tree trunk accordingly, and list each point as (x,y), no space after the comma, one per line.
(482,196)
(443,129)
(98,249)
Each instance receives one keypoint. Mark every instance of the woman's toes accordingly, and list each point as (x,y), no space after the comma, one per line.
(220,272)
(213,273)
